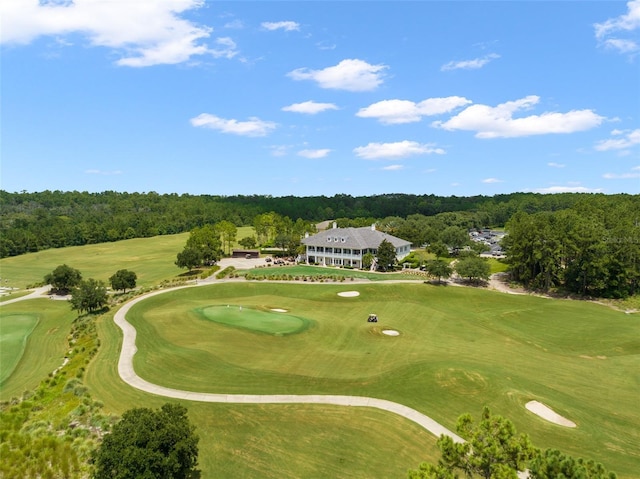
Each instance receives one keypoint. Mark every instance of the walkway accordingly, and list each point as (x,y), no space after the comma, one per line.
(36,293)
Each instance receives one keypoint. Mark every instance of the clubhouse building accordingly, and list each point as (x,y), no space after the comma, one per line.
(347,246)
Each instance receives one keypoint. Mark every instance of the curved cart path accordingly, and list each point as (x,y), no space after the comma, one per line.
(129,376)
(36,293)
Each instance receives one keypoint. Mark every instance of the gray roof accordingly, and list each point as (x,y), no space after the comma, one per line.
(353,238)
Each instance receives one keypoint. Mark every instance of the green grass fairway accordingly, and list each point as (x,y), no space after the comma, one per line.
(270,322)
(152,259)
(45,348)
(275,441)
(14,331)
(458,349)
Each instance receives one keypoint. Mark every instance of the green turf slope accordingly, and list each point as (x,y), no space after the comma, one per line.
(458,349)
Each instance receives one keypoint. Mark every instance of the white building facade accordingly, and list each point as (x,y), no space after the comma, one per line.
(347,246)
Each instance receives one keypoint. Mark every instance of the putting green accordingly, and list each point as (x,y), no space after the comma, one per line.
(14,332)
(270,322)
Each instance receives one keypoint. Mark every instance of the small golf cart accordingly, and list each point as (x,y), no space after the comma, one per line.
(372,318)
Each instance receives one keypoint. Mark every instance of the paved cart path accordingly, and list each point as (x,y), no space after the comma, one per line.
(129,376)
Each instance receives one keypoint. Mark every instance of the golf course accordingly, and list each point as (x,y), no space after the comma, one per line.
(456,350)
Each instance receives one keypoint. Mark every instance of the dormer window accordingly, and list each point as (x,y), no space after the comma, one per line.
(329,239)
(343,240)
(335,239)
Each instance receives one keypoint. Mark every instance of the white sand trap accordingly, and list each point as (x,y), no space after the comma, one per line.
(390,332)
(549,414)
(349,294)
(278,310)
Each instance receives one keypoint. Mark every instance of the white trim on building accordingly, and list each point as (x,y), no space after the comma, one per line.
(347,246)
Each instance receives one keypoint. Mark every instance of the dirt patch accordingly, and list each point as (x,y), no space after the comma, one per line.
(548,414)
(500,282)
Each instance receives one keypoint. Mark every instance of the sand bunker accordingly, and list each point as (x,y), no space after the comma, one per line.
(390,332)
(278,310)
(349,294)
(548,414)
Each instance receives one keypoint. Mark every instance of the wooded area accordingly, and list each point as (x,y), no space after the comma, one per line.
(53,219)
(582,243)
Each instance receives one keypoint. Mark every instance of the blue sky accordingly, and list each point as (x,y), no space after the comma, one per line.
(320,98)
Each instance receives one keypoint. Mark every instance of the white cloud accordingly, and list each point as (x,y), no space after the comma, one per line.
(393,168)
(287,26)
(622,24)
(405,111)
(623,46)
(621,176)
(309,107)
(143,32)
(498,121)
(555,165)
(469,64)
(627,22)
(226,48)
(567,189)
(491,180)
(314,154)
(350,75)
(629,139)
(279,150)
(325,45)
(400,149)
(234,25)
(253,127)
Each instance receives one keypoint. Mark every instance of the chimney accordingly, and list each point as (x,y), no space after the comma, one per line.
(306,235)
(335,225)
(373,227)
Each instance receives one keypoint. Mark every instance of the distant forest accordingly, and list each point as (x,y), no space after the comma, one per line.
(582,243)
(53,219)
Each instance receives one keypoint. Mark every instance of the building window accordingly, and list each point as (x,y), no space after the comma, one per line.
(337,250)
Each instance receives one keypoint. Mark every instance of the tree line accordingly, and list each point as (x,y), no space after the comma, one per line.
(591,249)
(53,219)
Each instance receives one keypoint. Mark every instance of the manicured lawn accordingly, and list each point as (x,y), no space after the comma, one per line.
(497,265)
(45,348)
(277,323)
(152,259)
(14,331)
(13,295)
(458,349)
(275,441)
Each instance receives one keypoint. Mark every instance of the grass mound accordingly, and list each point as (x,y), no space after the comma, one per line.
(269,322)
